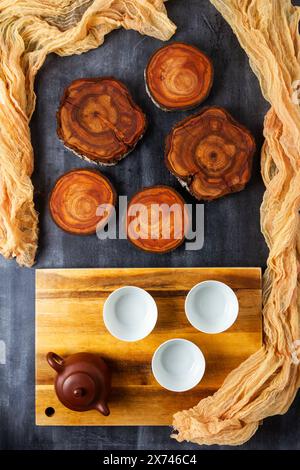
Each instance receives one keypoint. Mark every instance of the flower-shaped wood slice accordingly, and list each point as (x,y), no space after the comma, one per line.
(210,153)
(99,121)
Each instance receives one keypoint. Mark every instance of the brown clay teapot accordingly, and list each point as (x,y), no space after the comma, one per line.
(83,381)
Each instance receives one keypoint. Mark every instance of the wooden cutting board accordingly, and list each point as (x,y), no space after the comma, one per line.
(69,319)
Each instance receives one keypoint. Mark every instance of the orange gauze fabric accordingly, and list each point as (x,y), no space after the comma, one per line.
(267,382)
(29,30)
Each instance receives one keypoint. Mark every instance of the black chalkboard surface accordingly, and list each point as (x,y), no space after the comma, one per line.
(232,226)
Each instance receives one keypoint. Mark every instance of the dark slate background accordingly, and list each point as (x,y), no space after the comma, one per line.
(232,230)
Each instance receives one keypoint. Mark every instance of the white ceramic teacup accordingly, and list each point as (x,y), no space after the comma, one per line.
(178,365)
(130,313)
(211,307)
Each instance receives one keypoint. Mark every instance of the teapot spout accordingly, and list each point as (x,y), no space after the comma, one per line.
(102,408)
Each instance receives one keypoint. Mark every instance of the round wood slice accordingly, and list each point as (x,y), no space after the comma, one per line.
(153,224)
(210,153)
(75,198)
(99,121)
(179,76)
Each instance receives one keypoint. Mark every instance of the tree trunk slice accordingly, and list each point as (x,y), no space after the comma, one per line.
(155,229)
(179,76)
(99,121)
(210,153)
(75,198)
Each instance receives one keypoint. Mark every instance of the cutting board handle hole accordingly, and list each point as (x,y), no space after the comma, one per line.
(49,411)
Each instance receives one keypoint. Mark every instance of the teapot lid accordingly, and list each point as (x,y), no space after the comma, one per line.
(78,389)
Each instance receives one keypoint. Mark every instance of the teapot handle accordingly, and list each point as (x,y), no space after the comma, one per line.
(55,361)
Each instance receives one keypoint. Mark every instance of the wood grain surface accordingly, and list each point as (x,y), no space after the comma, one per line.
(69,319)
